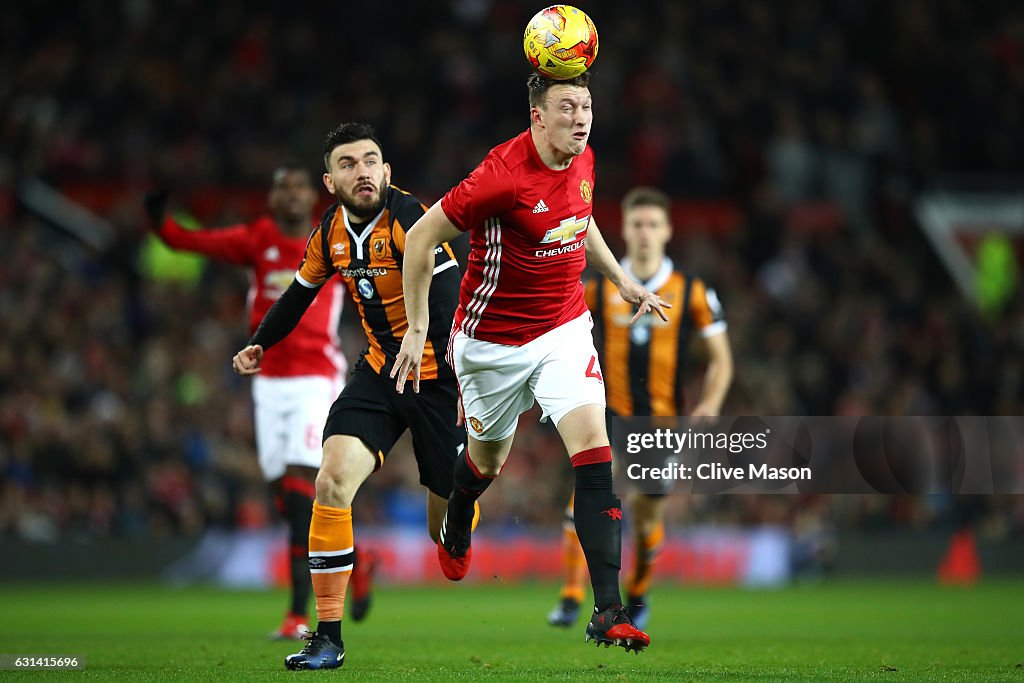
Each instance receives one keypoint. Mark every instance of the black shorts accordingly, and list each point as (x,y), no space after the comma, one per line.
(369,408)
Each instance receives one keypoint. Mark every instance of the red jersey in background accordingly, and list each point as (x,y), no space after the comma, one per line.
(313,347)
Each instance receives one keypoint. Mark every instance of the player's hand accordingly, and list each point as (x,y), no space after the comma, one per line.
(408,360)
(247,361)
(461,419)
(647,301)
(155,204)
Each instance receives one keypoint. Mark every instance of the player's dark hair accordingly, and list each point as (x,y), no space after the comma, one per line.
(539,85)
(646,196)
(290,166)
(346,133)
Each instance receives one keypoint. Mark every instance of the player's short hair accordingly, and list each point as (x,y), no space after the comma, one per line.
(290,166)
(646,196)
(539,85)
(346,133)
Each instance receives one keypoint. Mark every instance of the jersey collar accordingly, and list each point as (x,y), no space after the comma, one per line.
(360,239)
(659,278)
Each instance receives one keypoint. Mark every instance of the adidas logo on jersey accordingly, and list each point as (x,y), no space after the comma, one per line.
(541,207)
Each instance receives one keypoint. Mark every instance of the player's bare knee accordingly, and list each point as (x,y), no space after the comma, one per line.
(488,457)
(583,428)
(327,489)
(489,468)
(596,440)
(346,465)
(591,434)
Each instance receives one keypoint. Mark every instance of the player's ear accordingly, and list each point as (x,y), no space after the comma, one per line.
(329,182)
(387,173)
(535,117)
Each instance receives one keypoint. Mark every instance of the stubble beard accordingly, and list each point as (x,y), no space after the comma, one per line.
(364,210)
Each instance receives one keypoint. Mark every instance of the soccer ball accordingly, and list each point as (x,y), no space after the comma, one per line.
(560,42)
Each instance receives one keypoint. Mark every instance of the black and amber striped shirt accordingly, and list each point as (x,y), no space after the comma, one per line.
(644,363)
(368,258)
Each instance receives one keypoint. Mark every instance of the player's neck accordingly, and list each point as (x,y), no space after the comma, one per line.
(551,157)
(294,228)
(644,269)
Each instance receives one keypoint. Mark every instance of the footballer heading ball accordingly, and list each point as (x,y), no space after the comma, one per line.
(560,42)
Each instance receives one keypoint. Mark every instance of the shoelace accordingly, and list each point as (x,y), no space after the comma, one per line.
(311,638)
(621,616)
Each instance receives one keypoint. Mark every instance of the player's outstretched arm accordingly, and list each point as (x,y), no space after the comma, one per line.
(430,230)
(231,244)
(601,257)
(279,321)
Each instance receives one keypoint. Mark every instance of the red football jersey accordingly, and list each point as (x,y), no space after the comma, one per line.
(528,228)
(313,347)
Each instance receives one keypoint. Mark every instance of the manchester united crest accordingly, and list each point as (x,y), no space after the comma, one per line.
(586,191)
(476,425)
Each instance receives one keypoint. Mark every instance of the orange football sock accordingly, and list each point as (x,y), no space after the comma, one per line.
(646,551)
(330,558)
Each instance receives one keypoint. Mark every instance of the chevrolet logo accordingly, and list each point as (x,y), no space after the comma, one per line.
(567,231)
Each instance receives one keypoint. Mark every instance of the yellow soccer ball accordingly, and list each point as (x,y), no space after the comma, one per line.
(560,42)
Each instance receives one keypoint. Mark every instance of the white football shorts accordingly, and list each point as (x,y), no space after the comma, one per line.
(289,420)
(559,369)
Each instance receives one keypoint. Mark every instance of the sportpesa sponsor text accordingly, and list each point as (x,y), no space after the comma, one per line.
(362,272)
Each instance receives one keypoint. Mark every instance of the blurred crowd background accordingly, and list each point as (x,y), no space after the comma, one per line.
(812,125)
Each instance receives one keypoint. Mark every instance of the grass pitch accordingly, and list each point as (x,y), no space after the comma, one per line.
(884,630)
